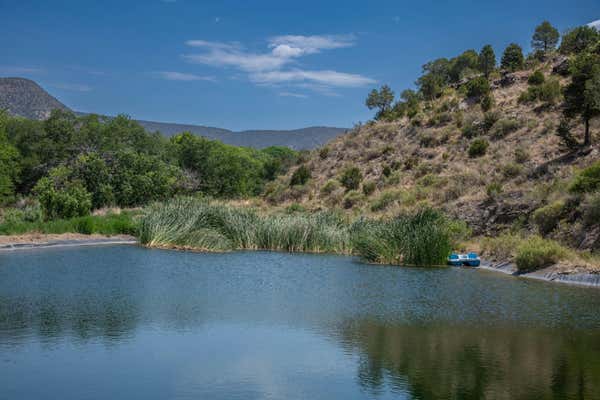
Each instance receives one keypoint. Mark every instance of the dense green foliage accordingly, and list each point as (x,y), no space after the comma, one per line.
(536,253)
(582,95)
(381,100)
(76,164)
(478,147)
(351,178)
(487,60)
(14,222)
(478,87)
(587,180)
(579,39)
(512,58)
(300,176)
(545,37)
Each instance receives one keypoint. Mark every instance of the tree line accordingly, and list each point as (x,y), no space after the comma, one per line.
(470,72)
(73,165)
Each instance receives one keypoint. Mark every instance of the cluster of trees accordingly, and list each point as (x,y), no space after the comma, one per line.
(73,165)
(470,73)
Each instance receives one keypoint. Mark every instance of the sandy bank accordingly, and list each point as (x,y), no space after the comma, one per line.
(38,240)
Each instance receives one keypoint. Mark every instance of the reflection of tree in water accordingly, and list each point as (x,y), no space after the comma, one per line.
(54,318)
(441,362)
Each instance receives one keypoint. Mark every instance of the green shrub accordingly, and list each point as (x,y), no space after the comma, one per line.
(502,247)
(300,176)
(478,147)
(330,186)
(521,155)
(489,120)
(535,253)
(504,127)
(511,170)
(590,209)
(478,87)
(471,128)
(537,78)
(369,187)
(546,218)
(351,178)
(60,198)
(493,189)
(352,198)
(587,180)
(384,200)
(487,102)
(548,92)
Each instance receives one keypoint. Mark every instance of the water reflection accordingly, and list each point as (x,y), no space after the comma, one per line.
(439,362)
(283,326)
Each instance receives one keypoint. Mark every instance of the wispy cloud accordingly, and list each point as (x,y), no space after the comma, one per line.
(74,87)
(292,94)
(595,24)
(20,70)
(181,76)
(272,66)
(328,78)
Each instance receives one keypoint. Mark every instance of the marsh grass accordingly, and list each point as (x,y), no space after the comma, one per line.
(422,238)
(207,226)
(110,224)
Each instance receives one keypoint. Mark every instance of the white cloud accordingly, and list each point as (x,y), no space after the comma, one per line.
(595,24)
(328,78)
(269,68)
(181,76)
(298,45)
(292,94)
(17,70)
(219,57)
(74,87)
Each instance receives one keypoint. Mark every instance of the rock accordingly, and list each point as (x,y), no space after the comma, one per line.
(561,67)
(591,240)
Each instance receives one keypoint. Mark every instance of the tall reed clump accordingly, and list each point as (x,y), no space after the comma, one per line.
(423,238)
(203,225)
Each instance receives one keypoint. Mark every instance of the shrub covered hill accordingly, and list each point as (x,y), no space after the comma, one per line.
(502,147)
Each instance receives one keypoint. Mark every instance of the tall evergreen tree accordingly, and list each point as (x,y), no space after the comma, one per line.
(512,58)
(545,37)
(582,95)
(487,60)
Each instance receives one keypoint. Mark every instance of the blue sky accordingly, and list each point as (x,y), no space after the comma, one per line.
(252,64)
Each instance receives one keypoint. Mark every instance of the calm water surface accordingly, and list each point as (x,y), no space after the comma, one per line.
(124,322)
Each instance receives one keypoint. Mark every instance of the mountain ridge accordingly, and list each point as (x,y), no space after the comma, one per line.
(26,98)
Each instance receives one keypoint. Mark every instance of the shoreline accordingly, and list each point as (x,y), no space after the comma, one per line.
(8,243)
(552,274)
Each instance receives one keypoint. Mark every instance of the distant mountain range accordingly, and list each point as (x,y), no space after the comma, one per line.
(25,98)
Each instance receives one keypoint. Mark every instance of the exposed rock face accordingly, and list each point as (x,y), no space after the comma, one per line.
(26,98)
(494,215)
(561,67)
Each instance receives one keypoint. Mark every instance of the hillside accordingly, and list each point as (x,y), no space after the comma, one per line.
(25,98)
(519,184)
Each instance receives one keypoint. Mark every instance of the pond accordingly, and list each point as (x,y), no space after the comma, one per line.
(124,322)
